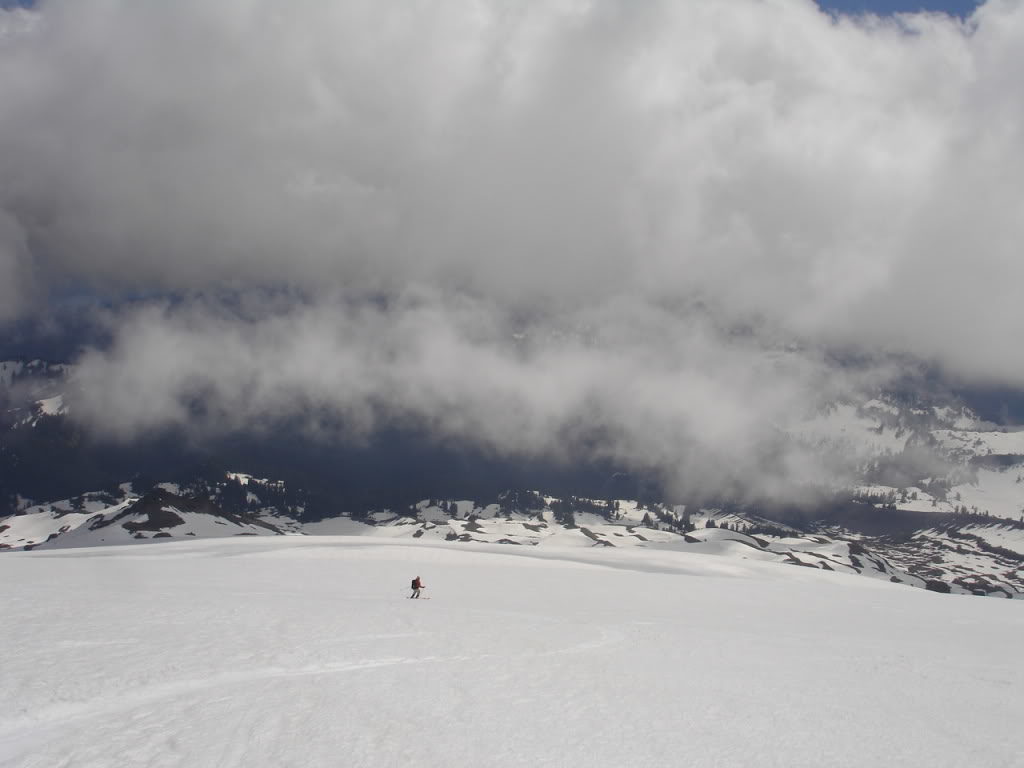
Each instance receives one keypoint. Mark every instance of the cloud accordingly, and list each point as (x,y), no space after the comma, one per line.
(656,197)
(652,388)
(16,285)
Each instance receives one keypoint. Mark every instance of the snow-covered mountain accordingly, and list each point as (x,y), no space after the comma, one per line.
(972,556)
(303,651)
(158,514)
(962,555)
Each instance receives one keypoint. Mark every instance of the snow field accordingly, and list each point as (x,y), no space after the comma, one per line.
(996,492)
(1010,538)
(303,651)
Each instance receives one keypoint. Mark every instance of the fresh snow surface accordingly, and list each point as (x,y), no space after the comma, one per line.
(304,651)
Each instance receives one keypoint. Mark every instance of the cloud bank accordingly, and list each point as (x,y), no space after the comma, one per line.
(562,228)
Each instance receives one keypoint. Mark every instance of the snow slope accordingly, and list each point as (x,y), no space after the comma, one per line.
(160,514)
(594,532)
(970,443)
(996,492)
(931,559)
(303,651)
(999,492)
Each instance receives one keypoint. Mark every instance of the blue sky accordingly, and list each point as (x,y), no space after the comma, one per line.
(958,7)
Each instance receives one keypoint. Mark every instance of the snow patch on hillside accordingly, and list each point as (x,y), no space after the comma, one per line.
(981,443)
(998,492)
(51,406)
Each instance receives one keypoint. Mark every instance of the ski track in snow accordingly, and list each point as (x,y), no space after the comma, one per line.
(291,652)
(64,715)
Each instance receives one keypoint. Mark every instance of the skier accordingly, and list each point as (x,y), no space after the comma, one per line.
(417,585)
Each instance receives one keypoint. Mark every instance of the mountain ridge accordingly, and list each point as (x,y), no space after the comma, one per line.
(967,555)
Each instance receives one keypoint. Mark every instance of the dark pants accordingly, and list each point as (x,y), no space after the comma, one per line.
(415,592)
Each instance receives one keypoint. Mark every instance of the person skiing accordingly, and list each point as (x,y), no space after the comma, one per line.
(417,585)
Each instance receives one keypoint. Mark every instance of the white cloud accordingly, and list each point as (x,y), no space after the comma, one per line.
(594,167)
(652,388)
(16,285)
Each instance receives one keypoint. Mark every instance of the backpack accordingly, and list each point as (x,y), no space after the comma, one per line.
(415,583)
